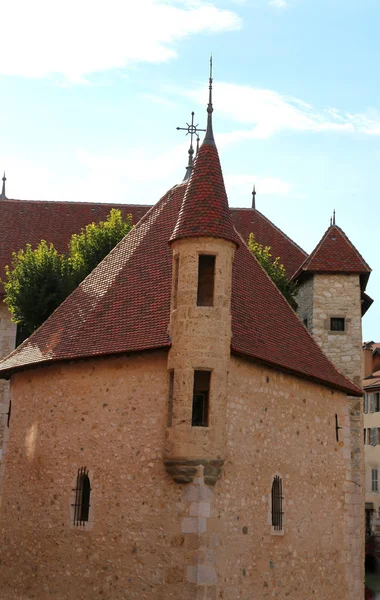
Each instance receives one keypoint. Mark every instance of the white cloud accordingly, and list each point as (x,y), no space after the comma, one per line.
(79,37)
(268,112)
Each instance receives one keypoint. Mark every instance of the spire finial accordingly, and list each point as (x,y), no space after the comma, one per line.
(254,196)
(3,188)
(192,129)
(209,137)
(333,217)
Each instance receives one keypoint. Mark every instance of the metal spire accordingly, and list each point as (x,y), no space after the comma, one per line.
(3,188)
(209,137)
(254,196)
(192,129)
(333,217)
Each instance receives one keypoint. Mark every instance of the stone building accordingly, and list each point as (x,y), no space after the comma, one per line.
(371,384)
(177,432)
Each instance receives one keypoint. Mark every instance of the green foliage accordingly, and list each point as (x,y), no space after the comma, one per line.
(275,270)
(36,284)
(39,280)
(95,241)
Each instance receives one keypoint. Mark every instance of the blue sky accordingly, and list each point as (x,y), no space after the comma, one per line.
(91,94)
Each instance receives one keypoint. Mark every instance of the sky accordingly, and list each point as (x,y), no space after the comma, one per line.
(91,93)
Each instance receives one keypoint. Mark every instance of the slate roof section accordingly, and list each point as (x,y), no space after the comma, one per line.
(124,306)
(29,221)
(204,211)
(335,253)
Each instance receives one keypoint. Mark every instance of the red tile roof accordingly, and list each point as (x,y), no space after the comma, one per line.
(250,220)
(27,222)
(204,211)
(334,254)
(124,306)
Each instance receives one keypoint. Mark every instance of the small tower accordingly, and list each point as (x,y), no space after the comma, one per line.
(203,244)
(331,282)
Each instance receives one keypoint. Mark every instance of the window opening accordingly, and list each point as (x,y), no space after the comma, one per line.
(9,412)
(170,399)
(377,402)
(373,436)
(337,324)
(366,403)
(364,435)
(82,497)
(277,498)
(371,403)
(337,427)
(201,392)
(305,322)
(206,277)
(375,480)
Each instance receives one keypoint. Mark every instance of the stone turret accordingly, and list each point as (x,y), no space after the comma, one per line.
(331,283)
(203,244)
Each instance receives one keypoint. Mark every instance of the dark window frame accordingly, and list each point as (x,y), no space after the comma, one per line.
(201,398)
(277,503)
(206,279)
(82,497)
(338,324)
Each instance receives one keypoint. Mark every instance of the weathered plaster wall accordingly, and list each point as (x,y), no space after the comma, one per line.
(7,344)
(150,537)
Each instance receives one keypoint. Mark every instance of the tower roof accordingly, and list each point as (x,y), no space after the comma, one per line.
(204,211)
(335,253)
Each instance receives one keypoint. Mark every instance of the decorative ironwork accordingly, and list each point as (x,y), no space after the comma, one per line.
(277,498)
(82,497)
(191,130)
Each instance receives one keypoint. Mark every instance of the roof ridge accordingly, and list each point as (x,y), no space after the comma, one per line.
(76,203)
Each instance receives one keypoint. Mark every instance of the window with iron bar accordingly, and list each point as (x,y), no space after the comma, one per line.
(277,498)
(374,480)
(82,497)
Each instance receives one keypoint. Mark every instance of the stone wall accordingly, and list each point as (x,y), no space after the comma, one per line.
(149,537)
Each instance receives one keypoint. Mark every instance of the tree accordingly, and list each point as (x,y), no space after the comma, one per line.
(39,280)
(95,241)
(36,284)
(275,270)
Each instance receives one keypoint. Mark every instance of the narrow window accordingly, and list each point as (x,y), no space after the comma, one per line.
(377,402)
(337,324)
(305,322)
(366,403)
(175,281)
(82,497)
(277,498)
(170,398)
(375,480)
(206,276)
(371,403)
(9,413)
(373,436)
(201,394)
(364,435)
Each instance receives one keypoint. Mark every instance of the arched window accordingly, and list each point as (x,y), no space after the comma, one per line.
(277,498)
(82,497)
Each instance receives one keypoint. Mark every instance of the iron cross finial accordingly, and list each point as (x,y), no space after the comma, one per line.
(192,130)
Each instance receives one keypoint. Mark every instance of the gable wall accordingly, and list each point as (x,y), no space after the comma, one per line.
(151,538)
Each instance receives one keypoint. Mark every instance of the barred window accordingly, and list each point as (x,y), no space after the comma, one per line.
(82,497)
(277,498)
(375,485)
